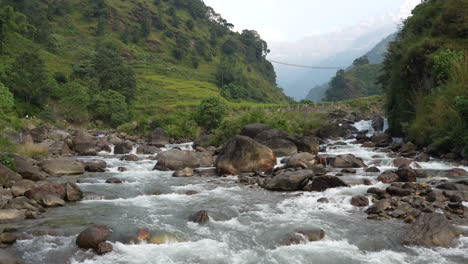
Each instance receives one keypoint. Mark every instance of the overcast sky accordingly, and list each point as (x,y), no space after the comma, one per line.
(290,20)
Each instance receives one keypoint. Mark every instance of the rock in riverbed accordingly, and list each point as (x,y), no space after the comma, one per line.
(432,230)
(92,237)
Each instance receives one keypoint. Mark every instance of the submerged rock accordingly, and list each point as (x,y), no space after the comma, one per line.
(200,217)
(432,230)
(187,172)
(243,154)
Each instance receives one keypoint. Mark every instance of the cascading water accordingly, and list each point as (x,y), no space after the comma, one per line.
(247,224)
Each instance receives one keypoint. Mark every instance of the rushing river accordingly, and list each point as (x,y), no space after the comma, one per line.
(247,224)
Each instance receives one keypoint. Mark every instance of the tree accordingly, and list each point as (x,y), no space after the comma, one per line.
(29,81)
(112,73)
(210,112)
(361,61)
(229,47)
(190,25)
(10,22)
(110,106)
(6,99)
(75,102)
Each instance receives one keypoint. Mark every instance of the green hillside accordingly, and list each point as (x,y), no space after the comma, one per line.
(86,60)
(358,81)
(426,77)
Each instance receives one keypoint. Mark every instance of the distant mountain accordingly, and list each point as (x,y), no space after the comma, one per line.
(375,56)
(338,48)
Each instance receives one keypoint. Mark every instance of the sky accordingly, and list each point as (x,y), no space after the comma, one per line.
(292,20)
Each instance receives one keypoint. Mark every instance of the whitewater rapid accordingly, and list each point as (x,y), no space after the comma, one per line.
(247,224)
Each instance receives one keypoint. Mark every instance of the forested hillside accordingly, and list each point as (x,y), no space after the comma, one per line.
(426,77)
(114,60)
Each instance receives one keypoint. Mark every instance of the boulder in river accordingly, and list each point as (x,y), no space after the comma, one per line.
(243,154)
(84,143)
(359,200)
(27,169)
(92,236)
(372,169)
(286,180)
(388,177)
(322,183)
(41,193)
(60,167)
(379,206)
(304,160)
(176,159)
(432,230)
(95,166)
(11,215)
(281,147)
(378,123)
(347,161)
(114,181)
(130,157)
(73,192)
(22,186)
(8,177)
(7,258)
(159,137)
(124,147)
(200,217)
(253,130)
(407,174)
(148,150)
(103,248)
(186,172)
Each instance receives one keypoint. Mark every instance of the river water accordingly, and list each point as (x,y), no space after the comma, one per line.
(247,224)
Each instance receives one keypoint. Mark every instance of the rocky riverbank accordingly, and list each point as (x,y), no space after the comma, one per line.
(401,184)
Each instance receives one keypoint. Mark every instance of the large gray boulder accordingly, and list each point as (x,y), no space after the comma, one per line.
(84,143)
(243,154)
(60,167)
(7,258)
(22,186)
(26,168)
(59,148)
(378,123)
(8,177)
(347,161)
(253,130)
(322,183)
(289,180)
(91,237)
(281,147)
(432,230)
(123,147)
(304,160)
(159,137)
(11,215)
(176,159)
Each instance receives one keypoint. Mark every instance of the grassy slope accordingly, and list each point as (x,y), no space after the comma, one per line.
(162,81)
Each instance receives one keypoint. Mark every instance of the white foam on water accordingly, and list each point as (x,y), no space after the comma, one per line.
(43,249)
(146,201)
(202,251)
(364,125)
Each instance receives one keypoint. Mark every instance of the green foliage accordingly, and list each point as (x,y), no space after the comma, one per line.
(443,64)
(30,82)
(110,106)
(74,102)
(6,99)
(361,61)
(7,161)
(417,63)
(211,112)
(290,121)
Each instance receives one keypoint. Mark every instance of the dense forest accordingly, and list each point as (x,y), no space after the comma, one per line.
(425,77)
(116,60)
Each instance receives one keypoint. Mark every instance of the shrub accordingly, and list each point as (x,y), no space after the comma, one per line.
(6,98)
(8,161)
(75,102)
(211,112)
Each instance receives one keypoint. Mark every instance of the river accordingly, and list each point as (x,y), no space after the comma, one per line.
(247,224)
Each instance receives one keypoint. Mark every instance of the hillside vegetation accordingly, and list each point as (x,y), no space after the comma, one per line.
(359,80)
(426,77)
(121,60)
